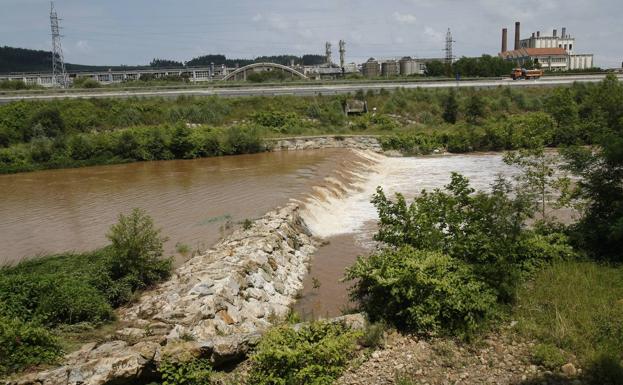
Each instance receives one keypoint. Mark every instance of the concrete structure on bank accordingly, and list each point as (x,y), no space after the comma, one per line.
(555,52)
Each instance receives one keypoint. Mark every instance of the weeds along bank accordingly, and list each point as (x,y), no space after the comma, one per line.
(70,133)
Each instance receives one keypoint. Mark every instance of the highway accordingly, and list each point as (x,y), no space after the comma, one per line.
(302,90)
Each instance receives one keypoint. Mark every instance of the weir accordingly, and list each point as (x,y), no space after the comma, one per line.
(215,306)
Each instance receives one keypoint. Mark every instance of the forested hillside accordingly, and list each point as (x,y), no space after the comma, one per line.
(30,60)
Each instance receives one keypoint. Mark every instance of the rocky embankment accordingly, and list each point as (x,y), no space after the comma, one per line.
(216,305)
(356,142)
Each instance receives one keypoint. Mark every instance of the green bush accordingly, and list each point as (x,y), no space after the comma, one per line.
(136,250)
(548,356)
(84,82)
(422,291)
(482,229)
(314,354)
(193,372)
(411,144)
(24,344)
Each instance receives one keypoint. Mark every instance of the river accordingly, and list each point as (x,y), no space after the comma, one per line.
(196,201)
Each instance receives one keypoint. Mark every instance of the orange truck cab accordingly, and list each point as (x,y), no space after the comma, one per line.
(522,73)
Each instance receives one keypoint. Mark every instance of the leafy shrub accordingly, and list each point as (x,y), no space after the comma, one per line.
(548,356)
(136,250)
(315,354)
(422,291)
(275,119)
(84,82)
(373,335)
(411,144)
(481,229)
(24,344)
(193,372)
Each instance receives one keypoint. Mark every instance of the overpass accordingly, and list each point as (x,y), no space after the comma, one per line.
(298,90)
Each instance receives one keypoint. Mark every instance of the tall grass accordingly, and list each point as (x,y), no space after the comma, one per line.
(578,307)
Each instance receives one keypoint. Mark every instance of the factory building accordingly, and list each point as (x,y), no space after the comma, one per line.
(410,66)
(553,52)
(390,68)
(370,69)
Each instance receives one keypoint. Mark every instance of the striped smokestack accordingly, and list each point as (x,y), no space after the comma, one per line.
(517,34)
(504,40)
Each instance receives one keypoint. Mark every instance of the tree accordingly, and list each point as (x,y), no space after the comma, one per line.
(450,108)
(436,68)
(475,108)
(136,250)
(537,178)
(600,172)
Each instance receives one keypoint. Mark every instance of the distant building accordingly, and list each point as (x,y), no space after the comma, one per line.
(390,68)
(370,68)
(555,52)
(553,59)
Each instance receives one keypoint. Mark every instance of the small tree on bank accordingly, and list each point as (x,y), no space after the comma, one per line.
(136,250)
(538,178)
(450,108)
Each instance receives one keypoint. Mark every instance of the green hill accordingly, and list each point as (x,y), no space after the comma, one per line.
(30,60)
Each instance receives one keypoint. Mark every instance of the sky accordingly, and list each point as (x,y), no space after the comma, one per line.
(132,32)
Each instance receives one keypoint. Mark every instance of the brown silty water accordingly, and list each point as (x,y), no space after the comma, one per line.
(193,201)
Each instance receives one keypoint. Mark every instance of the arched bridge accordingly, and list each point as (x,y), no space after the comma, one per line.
(243,72)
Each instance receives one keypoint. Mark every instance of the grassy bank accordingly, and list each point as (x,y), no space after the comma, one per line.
(69,133)
(575,310)
(51,304)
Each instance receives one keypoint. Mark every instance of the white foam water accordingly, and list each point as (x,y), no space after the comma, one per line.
(342,204)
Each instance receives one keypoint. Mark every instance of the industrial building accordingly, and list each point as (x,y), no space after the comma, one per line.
(554,52)
(370,68)
(390,68)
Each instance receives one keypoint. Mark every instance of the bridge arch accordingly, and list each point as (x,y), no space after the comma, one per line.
(243,72)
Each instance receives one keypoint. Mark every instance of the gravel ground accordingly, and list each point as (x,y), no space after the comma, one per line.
(497,359)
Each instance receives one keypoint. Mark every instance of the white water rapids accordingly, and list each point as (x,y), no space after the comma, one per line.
(342,204)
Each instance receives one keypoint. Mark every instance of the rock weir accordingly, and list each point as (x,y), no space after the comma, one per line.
(354,142)
(216,305)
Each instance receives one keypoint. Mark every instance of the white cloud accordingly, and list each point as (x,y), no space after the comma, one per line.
(83,46)
(257,17)
(404,18)
(432,34)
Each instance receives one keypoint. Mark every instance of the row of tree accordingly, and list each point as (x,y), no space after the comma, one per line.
(484,66)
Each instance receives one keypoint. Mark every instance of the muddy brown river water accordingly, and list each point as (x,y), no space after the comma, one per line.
(191,200)
(194,201)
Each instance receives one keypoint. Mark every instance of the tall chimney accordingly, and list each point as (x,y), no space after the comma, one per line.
(555,33)
(504,40)
(564,32)
(517,34)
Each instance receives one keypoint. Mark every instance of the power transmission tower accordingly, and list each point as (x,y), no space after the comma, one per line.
(327,49)
(448,49)
(342,53)
(59,76)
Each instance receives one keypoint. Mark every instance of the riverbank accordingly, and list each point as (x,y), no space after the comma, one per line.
(39,135)
(217,303)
